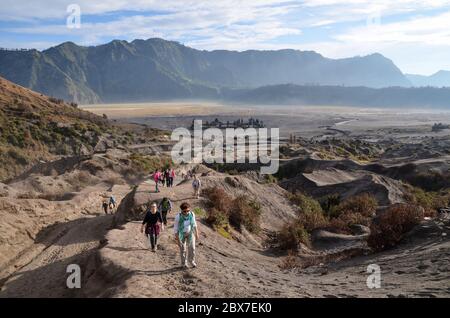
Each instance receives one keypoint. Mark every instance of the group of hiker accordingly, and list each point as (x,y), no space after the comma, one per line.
(185,228)
(165,177)
(109,204)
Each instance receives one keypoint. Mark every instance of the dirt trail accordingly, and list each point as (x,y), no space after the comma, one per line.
(226,268)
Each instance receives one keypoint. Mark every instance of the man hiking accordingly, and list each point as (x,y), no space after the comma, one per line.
(105,206)
(165,207)
(196,185)
(186,233)
(152,223)
(167,177)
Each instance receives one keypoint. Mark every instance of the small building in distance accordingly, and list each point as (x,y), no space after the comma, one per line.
(439,126)
(240,123)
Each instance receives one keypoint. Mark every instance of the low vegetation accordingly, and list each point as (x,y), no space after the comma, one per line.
(332,215)
(431,202)
(224,210)
(148,164)
(390,227)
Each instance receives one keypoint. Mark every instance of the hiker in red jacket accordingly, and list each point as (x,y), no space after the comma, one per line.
(172,177)
(156,177)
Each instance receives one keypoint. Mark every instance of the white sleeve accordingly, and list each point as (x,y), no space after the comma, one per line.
(175,225)
(193,218)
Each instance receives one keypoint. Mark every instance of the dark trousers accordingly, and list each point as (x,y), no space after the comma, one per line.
(153,238)
(170,182)
(164,217)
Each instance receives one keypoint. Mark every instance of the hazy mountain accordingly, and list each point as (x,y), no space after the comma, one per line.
(439,79)
(152,69)
(426,97)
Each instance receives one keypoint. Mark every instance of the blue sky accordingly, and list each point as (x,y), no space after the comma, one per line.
(414,34)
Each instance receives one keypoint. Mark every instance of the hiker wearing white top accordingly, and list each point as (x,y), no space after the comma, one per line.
(196,184)
(186,233)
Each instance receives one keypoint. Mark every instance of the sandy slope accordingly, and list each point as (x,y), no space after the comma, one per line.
(123,266)
(228,268)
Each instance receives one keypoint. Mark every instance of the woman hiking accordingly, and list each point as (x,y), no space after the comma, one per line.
(156,178)
(196,185)
(172,177)
(186,233)
(153,224)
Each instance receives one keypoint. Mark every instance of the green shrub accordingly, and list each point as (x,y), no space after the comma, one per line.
(216,218)
(305,203)
(246,213)
(430,201)
(330,202)
(310,212)
(148,164)
(291,235)
(364,204)
(199,212)
(222,208)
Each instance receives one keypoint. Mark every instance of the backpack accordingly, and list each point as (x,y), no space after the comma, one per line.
(196,183)
(165,205)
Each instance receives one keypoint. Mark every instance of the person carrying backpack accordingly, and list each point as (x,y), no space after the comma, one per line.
(112,203)
(196,185)
(165,207)
(186,233)
(151,224)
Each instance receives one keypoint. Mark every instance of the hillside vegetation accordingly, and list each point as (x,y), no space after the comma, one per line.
(34,128)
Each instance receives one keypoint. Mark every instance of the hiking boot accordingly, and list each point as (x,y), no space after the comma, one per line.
(153,249)
(156,248)
(194,265)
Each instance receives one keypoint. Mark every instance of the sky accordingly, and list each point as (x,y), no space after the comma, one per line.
(414,34)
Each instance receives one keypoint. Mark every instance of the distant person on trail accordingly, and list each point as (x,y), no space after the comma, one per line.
(151,223)
(196,185)
(156,177)
(165,207)
(171,177)
(186,233)
(167,177)
(105,206)
(112,203)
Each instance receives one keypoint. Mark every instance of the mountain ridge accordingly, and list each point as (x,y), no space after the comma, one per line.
(439,79)
(143,70)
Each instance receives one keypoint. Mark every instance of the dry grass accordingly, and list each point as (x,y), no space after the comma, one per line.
(292,235)
(390,227)
(224,209)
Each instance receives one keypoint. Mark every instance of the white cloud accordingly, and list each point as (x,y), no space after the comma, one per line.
(408,27)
